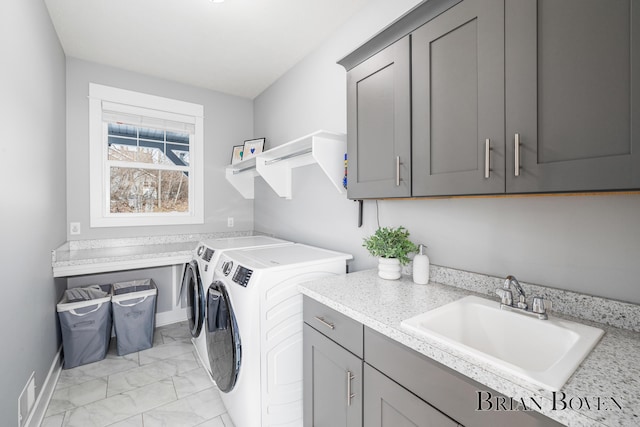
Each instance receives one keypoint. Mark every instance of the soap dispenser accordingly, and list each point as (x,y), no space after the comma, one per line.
(421,267)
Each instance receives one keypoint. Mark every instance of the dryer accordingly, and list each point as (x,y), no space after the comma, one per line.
(198,275)
(254,334)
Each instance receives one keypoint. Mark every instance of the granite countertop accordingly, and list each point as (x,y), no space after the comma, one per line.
(97,256)
(609,376)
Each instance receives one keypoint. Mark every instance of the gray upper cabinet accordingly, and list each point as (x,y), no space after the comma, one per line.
(494,97)
(458,101)
(572,95)
(379,125)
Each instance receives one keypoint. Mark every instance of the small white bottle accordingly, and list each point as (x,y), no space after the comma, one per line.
(421,267)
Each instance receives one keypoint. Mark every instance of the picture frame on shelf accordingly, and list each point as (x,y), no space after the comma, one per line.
(237,154)
(253,147)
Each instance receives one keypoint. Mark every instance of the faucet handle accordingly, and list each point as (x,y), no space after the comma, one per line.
(539,305)
(506,297)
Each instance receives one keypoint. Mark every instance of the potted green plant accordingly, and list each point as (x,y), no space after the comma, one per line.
(391,246)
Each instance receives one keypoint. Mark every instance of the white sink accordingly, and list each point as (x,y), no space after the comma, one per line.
(544,352)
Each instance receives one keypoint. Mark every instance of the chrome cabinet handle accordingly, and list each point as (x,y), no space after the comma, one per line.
(516,151)
(487,158)
(325,323)
(398,171)
(350,395)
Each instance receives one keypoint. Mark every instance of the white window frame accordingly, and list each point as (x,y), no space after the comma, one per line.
(99,182)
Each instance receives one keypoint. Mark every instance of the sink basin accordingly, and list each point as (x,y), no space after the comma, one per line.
(543,352)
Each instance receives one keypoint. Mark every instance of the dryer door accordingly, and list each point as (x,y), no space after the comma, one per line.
(223,339)
(192,285)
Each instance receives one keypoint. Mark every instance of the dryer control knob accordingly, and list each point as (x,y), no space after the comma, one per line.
(226,267)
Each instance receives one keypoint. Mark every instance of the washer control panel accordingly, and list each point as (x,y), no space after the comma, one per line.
(242,276)
(205,253)
(208,254)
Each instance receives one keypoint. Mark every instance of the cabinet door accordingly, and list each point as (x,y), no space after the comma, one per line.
(387,404)
(332,383)
(379,125)
(458,101)
(572,95)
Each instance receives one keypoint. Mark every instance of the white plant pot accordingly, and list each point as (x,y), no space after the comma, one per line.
(389,268)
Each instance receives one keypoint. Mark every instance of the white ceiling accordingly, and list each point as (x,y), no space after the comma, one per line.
(238,47)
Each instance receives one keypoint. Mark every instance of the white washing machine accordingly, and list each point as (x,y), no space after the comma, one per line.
(254,329)
(198,275)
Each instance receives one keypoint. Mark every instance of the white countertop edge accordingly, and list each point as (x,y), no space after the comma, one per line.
(79,245)
(92,267)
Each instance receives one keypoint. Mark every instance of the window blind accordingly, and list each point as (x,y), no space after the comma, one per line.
(144,117)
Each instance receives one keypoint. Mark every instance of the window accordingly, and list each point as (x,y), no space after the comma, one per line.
(146,159)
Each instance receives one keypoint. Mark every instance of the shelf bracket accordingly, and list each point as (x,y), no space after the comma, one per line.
(326,149)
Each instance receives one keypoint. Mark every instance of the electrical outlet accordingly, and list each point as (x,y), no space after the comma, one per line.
(230,221)
(74,228)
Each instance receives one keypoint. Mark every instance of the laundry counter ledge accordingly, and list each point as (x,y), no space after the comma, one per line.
(81,257)
(611,371)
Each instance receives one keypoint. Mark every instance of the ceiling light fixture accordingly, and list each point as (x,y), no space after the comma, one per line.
(216,1)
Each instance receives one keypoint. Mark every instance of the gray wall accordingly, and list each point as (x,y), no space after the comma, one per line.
(32,210)
(228,122)
(587,244)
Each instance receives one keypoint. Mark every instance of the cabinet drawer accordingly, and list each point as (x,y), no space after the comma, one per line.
(340,328)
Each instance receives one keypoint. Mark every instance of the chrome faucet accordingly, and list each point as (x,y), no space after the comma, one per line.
(506,300)
(522,300)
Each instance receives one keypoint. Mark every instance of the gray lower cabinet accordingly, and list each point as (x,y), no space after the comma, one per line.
(332,383)
(446,390)
(381,383)
(332,367)
(379,125)
(387,404)
(458,101)
(572,95)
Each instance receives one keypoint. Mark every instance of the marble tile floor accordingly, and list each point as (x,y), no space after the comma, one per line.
(163,386)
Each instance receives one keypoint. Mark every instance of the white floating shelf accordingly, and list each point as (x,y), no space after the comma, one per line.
(327,149)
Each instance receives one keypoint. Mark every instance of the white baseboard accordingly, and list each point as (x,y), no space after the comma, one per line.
(46,392)
(169,317)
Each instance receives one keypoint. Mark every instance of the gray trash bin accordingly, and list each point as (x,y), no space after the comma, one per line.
(85,321)
(134,315)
